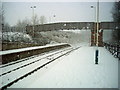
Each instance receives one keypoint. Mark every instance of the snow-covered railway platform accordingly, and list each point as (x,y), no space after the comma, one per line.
(76,70)
(16,54)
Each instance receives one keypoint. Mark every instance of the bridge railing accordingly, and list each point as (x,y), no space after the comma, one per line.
(114,49)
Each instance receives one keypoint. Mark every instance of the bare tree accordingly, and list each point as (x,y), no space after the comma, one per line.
(26,21)
(21,25)
(116,18)
(36,20)
(1,16)
(42,20)
(1,13)
(5,27)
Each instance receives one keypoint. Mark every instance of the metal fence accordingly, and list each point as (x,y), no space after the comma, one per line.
(114,49)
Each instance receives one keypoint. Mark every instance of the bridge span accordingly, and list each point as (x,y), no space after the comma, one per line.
(34,29)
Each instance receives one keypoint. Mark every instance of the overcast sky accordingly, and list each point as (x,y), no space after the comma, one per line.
(63,11)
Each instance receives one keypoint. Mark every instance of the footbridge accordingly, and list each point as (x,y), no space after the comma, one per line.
(34,29)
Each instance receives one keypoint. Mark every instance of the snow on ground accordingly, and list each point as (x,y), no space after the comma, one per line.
(76,70)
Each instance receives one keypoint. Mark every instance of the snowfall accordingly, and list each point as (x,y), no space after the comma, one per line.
(76,70)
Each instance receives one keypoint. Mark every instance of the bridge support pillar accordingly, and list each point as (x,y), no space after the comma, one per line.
(100,38)
(94,36)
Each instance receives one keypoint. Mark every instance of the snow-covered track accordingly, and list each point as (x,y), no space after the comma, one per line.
(18,61)
(29,63)
(22,71)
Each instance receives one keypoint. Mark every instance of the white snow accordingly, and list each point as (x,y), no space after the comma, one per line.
(76,70)
(22,71)
(35,57)
(74,31)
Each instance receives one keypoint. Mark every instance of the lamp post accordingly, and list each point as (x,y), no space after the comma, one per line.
(54,16)
(33,18)
(95,17)
(97,30)
(97,43)
(97,21)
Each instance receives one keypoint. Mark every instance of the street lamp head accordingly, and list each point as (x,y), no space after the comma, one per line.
(34,6)
(92,6)
(54,15)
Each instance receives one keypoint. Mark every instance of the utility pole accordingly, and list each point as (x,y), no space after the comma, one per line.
(33,7)
(54,16)
(96,32)
(95,17)
(97,43)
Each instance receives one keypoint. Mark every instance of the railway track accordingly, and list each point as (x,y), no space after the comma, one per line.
(29,63)
(15,74)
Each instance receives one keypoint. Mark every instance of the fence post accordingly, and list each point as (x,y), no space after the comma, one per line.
(113,49)
(117,51)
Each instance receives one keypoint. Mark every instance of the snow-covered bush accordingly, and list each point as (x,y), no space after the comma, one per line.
(71,37)
(15,37)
